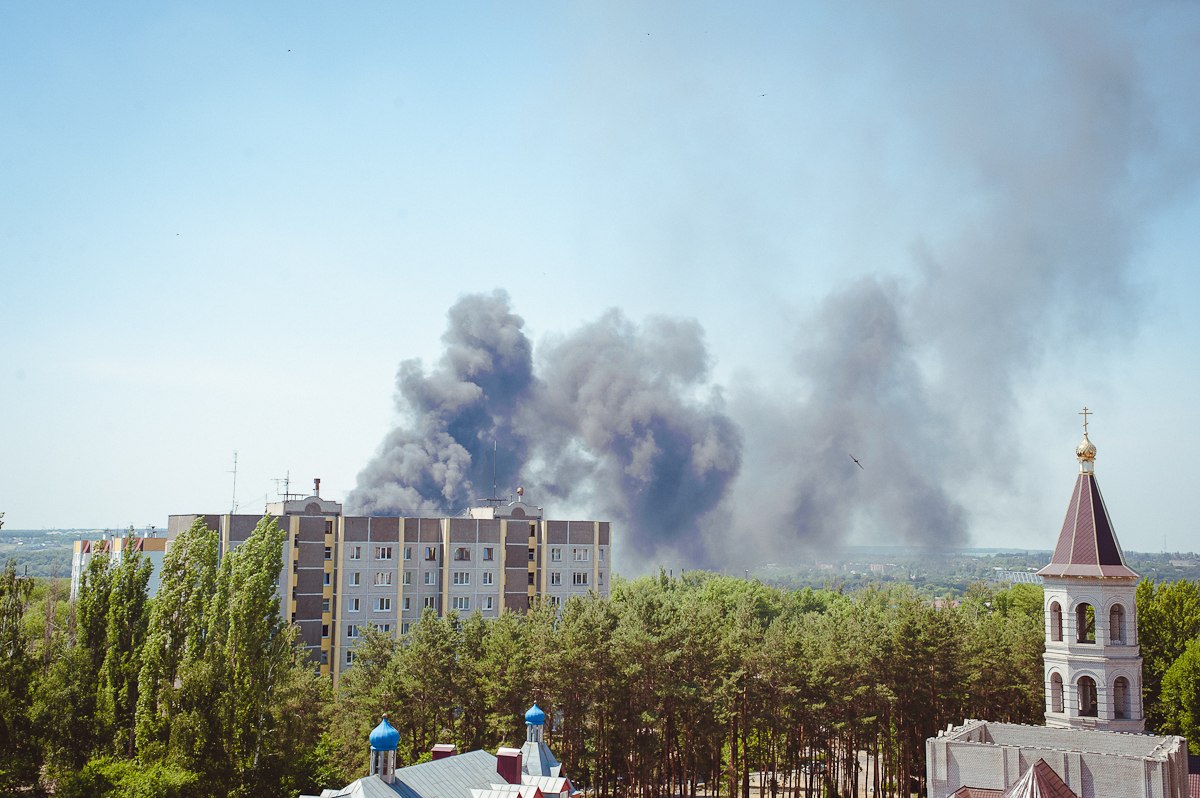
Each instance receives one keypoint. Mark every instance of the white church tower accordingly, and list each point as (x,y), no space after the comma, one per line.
(1093,666)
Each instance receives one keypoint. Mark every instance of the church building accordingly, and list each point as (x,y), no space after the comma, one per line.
(1092,745)
(530,771)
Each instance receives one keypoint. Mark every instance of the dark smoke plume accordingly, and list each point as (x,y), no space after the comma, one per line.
(441,459)
(920,377)
(634,429)
(621,422)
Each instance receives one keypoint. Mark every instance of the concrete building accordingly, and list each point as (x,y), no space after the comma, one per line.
(343,572)
(512,773)
(1091,745)
(112,547)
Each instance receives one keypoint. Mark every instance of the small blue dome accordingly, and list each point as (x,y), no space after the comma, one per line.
(535,716)
(384,737)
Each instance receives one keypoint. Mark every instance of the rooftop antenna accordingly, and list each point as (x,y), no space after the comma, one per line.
(233,501)
(494,451)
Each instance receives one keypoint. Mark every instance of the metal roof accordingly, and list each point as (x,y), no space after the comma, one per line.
(1040,781)
(1087,544)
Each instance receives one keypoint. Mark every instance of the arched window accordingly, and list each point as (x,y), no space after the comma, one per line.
(1085,624)
(1121,697)
(1116,625)
(1055,621)
(1056,693)
(1087,697)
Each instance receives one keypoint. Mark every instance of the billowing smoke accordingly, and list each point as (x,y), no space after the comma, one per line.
(621,421)
(1036,158)
(634,428)
(919,375)
(440,459)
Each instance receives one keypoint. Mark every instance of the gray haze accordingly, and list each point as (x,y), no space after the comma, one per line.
(1040,157)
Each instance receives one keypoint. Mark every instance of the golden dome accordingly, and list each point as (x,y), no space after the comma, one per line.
(1086,450)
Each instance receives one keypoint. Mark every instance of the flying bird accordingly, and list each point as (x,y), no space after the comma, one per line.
(855,459)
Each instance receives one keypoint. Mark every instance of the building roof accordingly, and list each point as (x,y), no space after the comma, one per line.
(976,792)
(535,715)
(537,760)
(1087,544)
(1040,781)
(384,737)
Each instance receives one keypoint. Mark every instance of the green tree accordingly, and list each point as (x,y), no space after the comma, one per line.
(19,755)
(1168,619)
(176,636)
(1181,696)
(125,634)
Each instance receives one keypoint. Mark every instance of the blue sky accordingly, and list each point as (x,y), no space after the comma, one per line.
(223,227)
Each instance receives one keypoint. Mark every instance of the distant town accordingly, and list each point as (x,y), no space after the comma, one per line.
(934,573)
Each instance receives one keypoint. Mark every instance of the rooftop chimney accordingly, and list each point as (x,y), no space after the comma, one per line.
(317,486)
(443,750)
(508,764)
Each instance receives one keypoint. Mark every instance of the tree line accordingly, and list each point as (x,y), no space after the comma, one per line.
(675,686)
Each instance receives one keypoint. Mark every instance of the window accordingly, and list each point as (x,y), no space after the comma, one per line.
(1085,626)
(431,577)
(600,555)
(555,555)
(404,628)
(407,603)
(356,552)
(383,552)
(354,605)
(532,554)
(531,578)
(325,605)
(462,602)
(556,577)
(324,630)
(408,552)
(408,577)
(581,555)
(324,657)
(487,577)
(462,554)
(1056,692)
(385,628)
(489,553)
(329,552)
(431,553)
(430,602)
(351,631)
(1087,697)
(349,657)
(1055,621)
(328,579)
(355,579)
(462,577)
(554,601)
(487,602)
(383,578)
(1116,625)
(1121,698)
(600,578)
(579,578)
(383,604)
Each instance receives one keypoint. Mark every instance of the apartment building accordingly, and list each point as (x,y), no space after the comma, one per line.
(343,572)
(113,546)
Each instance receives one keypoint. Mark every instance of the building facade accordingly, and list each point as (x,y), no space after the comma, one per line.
(112,547)
(343,572)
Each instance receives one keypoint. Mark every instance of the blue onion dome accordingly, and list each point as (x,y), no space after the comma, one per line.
(384,737)
(535,716)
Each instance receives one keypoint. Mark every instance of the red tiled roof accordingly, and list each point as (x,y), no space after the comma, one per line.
(1087,545)
(1040,781)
